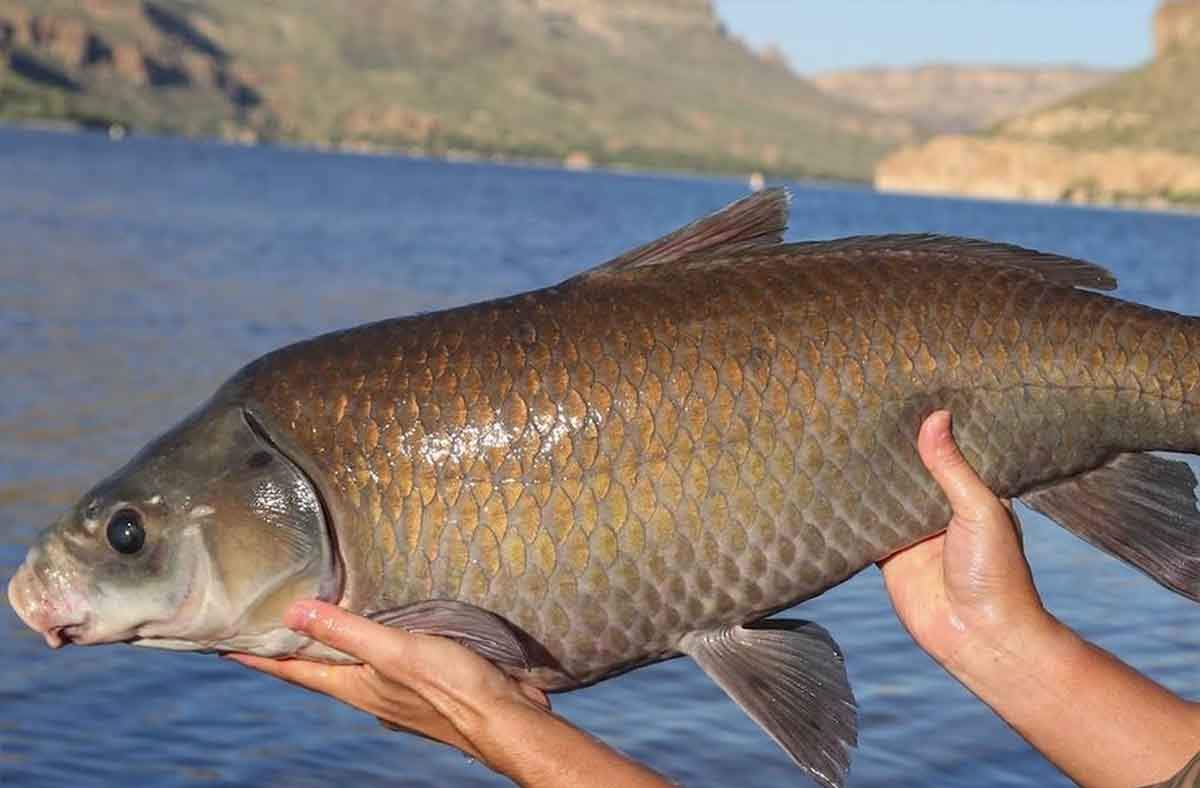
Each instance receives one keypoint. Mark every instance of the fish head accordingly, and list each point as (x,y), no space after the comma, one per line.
(199,543)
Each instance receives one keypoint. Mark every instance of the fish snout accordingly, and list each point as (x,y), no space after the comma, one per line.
(50,614)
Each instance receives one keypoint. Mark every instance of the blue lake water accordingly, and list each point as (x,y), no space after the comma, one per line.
(135,277)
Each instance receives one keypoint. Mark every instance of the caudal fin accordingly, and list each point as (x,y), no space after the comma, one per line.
(1139,508)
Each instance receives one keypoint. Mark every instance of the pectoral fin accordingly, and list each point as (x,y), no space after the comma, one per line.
(485,633)
(789,676)
(1139,508)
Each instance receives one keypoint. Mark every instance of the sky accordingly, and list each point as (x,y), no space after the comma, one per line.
(817,35)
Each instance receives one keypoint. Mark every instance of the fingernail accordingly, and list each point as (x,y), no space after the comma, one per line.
(945,437)
(299,615)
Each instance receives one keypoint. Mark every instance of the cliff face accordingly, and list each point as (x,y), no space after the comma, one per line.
(953,99)
(1133,139)
(655,82)
(1177,24)
(1024,170)
(104,62)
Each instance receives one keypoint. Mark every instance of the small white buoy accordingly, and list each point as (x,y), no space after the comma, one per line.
(116,132)
(757,181)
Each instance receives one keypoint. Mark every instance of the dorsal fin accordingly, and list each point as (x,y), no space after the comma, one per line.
(752,222)
(970,251)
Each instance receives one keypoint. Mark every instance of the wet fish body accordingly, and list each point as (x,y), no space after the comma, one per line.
(639,461)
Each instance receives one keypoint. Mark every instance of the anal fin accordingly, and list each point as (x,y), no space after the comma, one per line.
(790,678)
(1139,508)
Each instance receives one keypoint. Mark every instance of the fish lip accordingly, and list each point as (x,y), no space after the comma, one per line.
(333,584)
(25,583)
(17,596)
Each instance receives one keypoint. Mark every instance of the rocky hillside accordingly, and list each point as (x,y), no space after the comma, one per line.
(1133,139)
(1177,24)
(651,82)
(950,99)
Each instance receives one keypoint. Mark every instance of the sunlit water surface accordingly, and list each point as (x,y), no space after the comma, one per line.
(135,277)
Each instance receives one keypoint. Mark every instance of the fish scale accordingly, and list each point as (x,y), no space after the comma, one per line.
(680,447)
(649,459)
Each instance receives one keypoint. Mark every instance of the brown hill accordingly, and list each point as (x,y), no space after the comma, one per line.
(944,98)
(1134,139)
(649,82)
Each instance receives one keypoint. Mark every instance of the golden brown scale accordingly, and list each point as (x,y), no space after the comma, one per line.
(633,455)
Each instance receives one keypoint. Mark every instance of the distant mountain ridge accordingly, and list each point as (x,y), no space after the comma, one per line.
(948,98)
(644,82)
(1133,139)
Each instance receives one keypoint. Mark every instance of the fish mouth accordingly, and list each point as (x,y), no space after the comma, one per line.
(64,634)
(333,575)
(31,601)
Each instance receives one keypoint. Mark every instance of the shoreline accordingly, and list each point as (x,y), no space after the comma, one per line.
(1131,206)
(119,133)
(751,180)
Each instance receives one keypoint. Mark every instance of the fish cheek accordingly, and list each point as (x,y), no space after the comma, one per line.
(133,592)
(267,543)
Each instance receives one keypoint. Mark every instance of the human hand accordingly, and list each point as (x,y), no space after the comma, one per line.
(431,686)
(439,689)
(967,598)
(970,584)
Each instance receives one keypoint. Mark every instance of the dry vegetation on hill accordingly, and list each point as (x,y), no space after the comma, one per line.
(1133,139)
(650,82)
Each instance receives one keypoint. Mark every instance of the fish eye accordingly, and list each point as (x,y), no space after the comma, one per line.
(125,532)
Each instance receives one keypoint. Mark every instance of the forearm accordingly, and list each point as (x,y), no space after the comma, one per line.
(1098,720)
(538,749)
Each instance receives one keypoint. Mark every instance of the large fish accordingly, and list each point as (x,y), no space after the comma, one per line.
(644,461)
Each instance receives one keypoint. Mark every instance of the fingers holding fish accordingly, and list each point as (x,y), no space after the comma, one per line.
(393,704)
(359,637)
(316,676)
(423,662)
(970,584)
(412,682)
(353,635)
(972,501)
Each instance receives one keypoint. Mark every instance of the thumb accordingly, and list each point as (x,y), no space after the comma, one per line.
(351,634)
(970,499)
